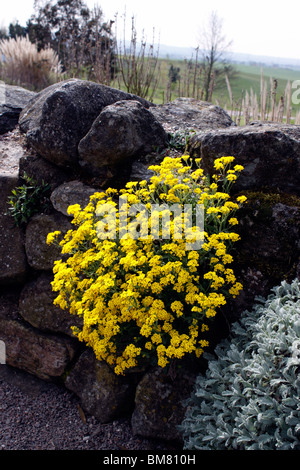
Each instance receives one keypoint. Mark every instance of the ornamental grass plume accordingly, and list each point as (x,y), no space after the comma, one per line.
(22,64)
(147,292)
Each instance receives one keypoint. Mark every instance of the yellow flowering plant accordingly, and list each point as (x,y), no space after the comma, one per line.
(144,282)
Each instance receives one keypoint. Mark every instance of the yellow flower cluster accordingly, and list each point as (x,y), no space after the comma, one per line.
(147,299)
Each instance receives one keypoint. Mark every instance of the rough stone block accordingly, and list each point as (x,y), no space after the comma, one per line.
(45,356)
(37,308)
(103,394)
(41,256)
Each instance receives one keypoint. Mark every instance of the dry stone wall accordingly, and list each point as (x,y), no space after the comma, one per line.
(36,333)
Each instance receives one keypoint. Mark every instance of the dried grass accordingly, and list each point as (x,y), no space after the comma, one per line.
(266,107)
(22,64)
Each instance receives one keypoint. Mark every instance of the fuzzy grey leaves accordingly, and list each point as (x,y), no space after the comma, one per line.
(250,396)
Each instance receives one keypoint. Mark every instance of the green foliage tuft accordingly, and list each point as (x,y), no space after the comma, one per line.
(250,396)
(179,139)
(27,200)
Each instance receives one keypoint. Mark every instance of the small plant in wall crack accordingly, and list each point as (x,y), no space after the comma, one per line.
(179,139)
(28,199)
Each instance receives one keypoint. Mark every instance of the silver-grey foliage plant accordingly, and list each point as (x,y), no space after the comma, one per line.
(250,395)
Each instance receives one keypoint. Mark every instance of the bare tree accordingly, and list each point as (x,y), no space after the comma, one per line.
(138,64)
(214,45)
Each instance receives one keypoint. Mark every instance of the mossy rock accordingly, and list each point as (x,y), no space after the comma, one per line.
(269,249)
(159,407)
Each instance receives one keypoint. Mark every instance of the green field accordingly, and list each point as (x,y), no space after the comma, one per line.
(248,77)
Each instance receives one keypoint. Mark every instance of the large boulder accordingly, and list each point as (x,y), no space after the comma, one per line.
(62,114)
(269,152)
(44,356)
(122,131)
(12,100)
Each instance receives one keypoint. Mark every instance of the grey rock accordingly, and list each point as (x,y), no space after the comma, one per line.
(188,113)
(72,192)
(41,256)
(269,152)
(9,304)
(103,394)
(159,407)
(269,249)
(122,131)
(140,167)
(62,114)
(13,265)
(42,170)
(12,254)
(44,356)
(37,308)
(27,348)
(12,100)
(183,116)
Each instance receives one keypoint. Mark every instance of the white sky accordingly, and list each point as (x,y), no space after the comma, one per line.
(262,27)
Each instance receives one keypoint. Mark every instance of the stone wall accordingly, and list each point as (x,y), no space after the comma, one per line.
(66,138)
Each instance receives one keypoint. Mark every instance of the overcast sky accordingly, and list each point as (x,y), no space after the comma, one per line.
(262,27)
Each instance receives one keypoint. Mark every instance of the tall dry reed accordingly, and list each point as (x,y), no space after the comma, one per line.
(267,107)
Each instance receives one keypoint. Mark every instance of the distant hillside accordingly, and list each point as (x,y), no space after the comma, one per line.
(180,53)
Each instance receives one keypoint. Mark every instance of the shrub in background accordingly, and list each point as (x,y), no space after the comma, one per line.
(250,396)
(149,300)
(22,64)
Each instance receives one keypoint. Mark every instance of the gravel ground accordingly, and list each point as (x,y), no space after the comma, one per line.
(37,415)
